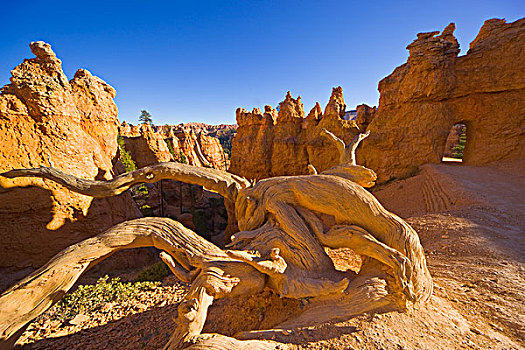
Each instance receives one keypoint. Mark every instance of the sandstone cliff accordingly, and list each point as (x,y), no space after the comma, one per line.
(153,144)
(423,98)
(419,104)
(211,130)
(197,209)
(72,125)
(148,147)
(285,142)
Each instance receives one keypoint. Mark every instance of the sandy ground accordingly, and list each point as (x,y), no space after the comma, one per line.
(471,224)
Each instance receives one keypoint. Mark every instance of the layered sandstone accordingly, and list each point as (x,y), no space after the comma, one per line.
(212,150)
(46,120)
(424,98)
(209,129)
(200,210)
(285,142)
(152,144)
(148,147)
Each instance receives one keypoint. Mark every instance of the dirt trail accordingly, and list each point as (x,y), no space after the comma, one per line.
(471,224)
(475,242)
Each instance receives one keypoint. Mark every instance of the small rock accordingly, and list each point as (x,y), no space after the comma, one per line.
(107,306)
(475,330)
(61,333)
(78,319)
(495,326)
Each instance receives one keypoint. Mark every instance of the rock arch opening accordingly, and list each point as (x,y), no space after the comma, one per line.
(455,144)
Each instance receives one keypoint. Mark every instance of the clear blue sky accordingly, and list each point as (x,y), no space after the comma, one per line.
(200,60)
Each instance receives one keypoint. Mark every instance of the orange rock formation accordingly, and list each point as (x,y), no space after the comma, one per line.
(423,98)
(149,145)
(453,140)
(285,142)
(419,104)
(46,120)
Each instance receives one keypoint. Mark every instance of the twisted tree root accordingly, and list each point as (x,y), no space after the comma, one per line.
(39,291)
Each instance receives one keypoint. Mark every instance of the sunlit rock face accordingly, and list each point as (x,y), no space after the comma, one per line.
(284,142)
(424,98)
(149,145)
(197,209)
(419,104)
(46,120)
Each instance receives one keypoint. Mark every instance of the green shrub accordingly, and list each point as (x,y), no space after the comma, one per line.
(169,142)
(182,158)
(146,210)
(457,151)
(125,157)
(156,272)
(140,190)
(88,298)
(140,195)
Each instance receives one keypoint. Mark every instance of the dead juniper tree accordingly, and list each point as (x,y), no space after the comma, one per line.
(285,223)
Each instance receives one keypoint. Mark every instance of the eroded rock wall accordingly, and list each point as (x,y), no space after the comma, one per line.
(46,120)
(423,98)
(211,130)
(149,145)
(212,150)
(197,209)
(285,142)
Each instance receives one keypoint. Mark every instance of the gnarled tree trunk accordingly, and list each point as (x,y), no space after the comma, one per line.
(286,223)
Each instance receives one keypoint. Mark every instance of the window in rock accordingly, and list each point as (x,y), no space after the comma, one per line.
(455,145)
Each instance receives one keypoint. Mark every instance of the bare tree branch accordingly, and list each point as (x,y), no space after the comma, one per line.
(224,183)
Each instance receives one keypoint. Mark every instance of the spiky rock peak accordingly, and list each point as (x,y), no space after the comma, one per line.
(316,113)
(290,109)
(428,45)
(336,107)
(43,52)
(285,142)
